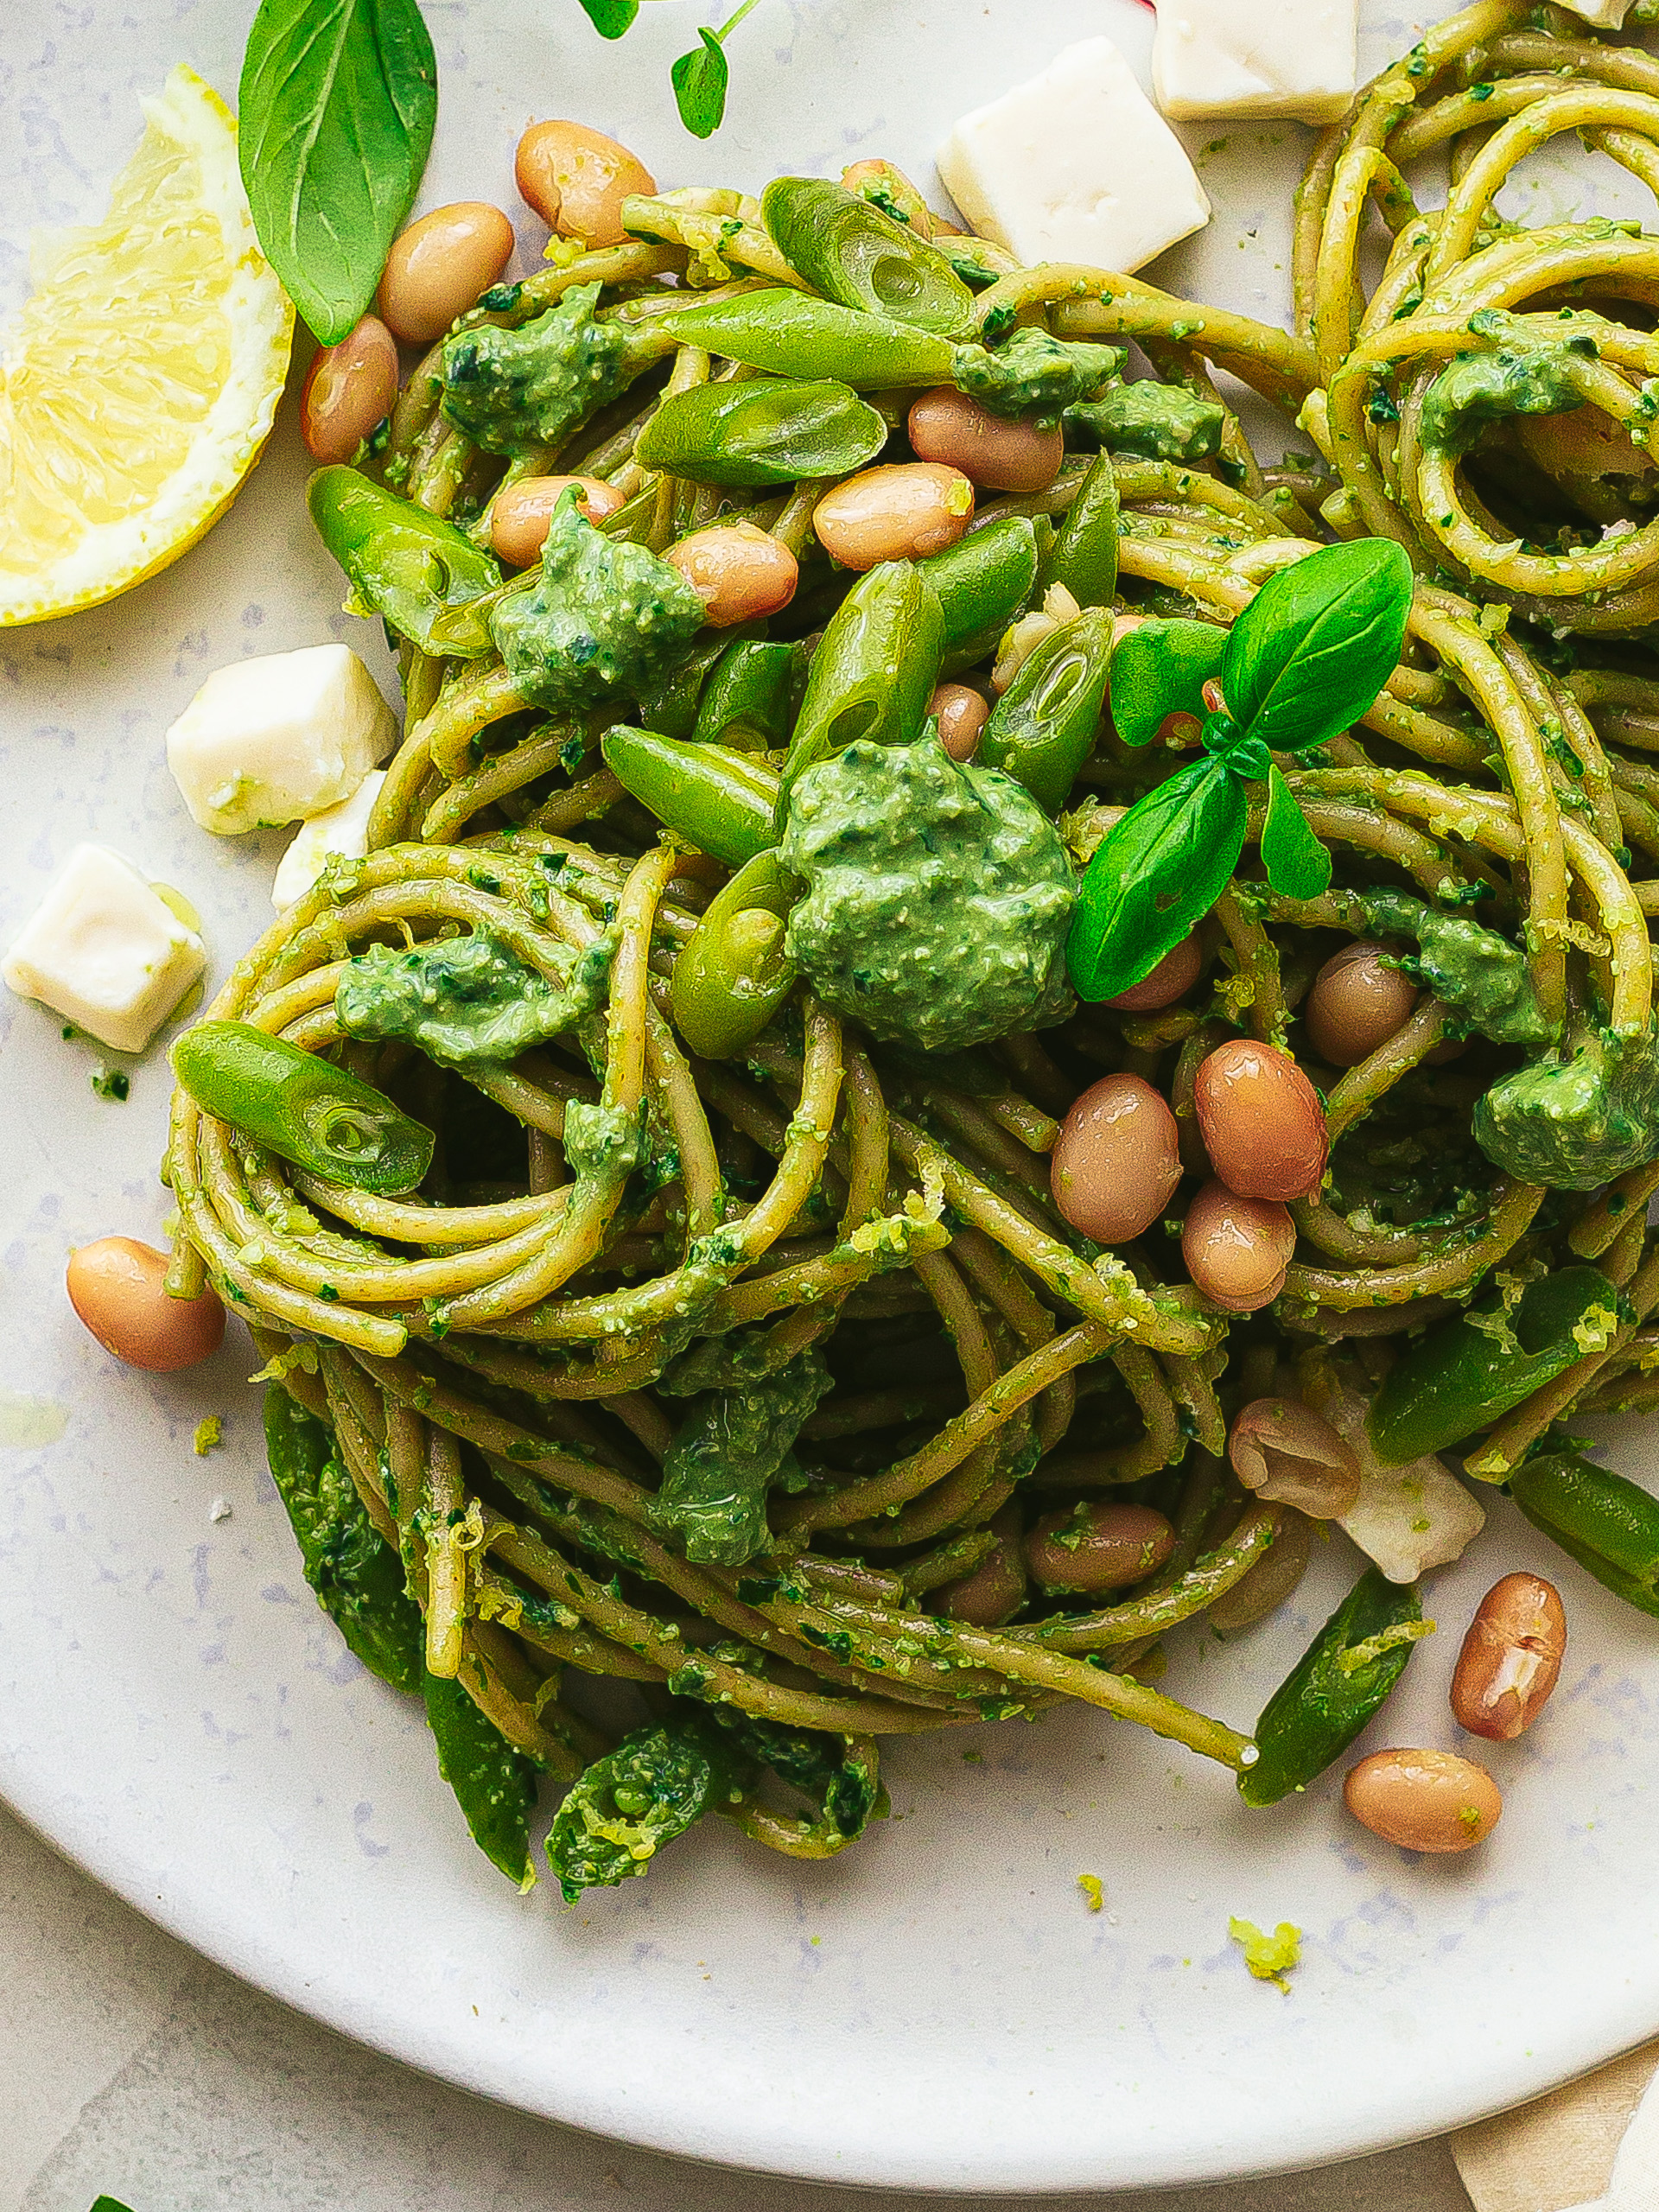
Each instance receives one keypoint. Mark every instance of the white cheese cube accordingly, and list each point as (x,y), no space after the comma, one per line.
(1407,1519)
(1076,166)
(1232,57)
(106,950)
(1605,15)
(278,739)
(342,832)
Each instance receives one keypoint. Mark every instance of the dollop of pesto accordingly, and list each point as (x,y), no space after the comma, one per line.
(605,618)
(1481,388)
(938,896)
(1480,975)
(1573,1124)
(512,389)
(623,1809)
(1036,374)
(734,1446)
(1151,422)
(467,999)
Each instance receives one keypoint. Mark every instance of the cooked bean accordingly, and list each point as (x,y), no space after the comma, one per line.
(348,389)
(440,265)
(1510,1658)
(520,515)
(962,714)
(1236,1249)
(1171,979)
(1269,1582)
(946,426)
(1290,1455)
(995,1590)
(1261,1120)
(738,571)
(1116,1161)
(1424,1801)
(1093,1548)
(117,1286)
(1356,1003)
(897,512)
(576,180)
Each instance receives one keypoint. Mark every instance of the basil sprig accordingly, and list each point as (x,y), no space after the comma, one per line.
(1305,660)
(338,102)
(699,78)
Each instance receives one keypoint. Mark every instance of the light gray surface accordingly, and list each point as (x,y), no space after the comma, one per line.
(134,2067)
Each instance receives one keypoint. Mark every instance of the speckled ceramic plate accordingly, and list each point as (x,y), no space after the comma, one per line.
(938,2008)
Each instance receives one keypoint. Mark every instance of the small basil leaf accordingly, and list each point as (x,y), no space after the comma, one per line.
(610,18)
(1245,756)
(699,79)
(338,101)
(1153,874)
(1159,668)
(1310,653)
(1297,865)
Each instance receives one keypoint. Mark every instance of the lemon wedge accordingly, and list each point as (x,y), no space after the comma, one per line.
(142,375)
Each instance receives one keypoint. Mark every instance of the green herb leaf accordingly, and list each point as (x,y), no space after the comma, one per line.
(1153,874)
(1312,650)
(338,101)
(610,18)
(109,2204)
(1297,865)
(699,79)
(494,1784)
(1161,668)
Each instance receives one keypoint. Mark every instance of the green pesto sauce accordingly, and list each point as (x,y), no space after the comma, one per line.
(938,896)
(605,620)
(467,999)
(1482,388)
(1036,374)
(1151,422)
(621,1811)
(510,390)
(1474,971)
(734,1445)
(1573,1124)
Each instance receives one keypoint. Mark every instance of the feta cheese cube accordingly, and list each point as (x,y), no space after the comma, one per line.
(1407,1519)
(342,832)
(278,739)
(106,950)
(1078,165)
(1605,15)
(1217,57)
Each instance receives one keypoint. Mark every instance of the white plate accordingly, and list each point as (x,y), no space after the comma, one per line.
(938,2008)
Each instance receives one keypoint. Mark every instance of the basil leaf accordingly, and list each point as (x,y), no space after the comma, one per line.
(108,2204)
(1297,865)
(699,79)
(1161,668)
(1153,874)
(1312,650)
(610,18)
(338,100)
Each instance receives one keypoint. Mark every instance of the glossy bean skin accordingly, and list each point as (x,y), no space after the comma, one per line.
(1270,1581)
(348,389)
(1261,1120)
(438,267)
(961,714)
(1290,1455)
(1511,1658)
(1090,1548)
(898,513)
(997,1588)
(1424,1801)
(1171,979)
(1116,1161)
(997,454)
(1236,1249)
(739,572)
(576,180)
(520,515)
(1357,1002)
(119,1288)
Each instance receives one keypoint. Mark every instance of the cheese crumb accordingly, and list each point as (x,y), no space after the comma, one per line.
(1269,1958)
(340,833)
(105,950)
(1078,165)
(278,738)
(1297,58)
